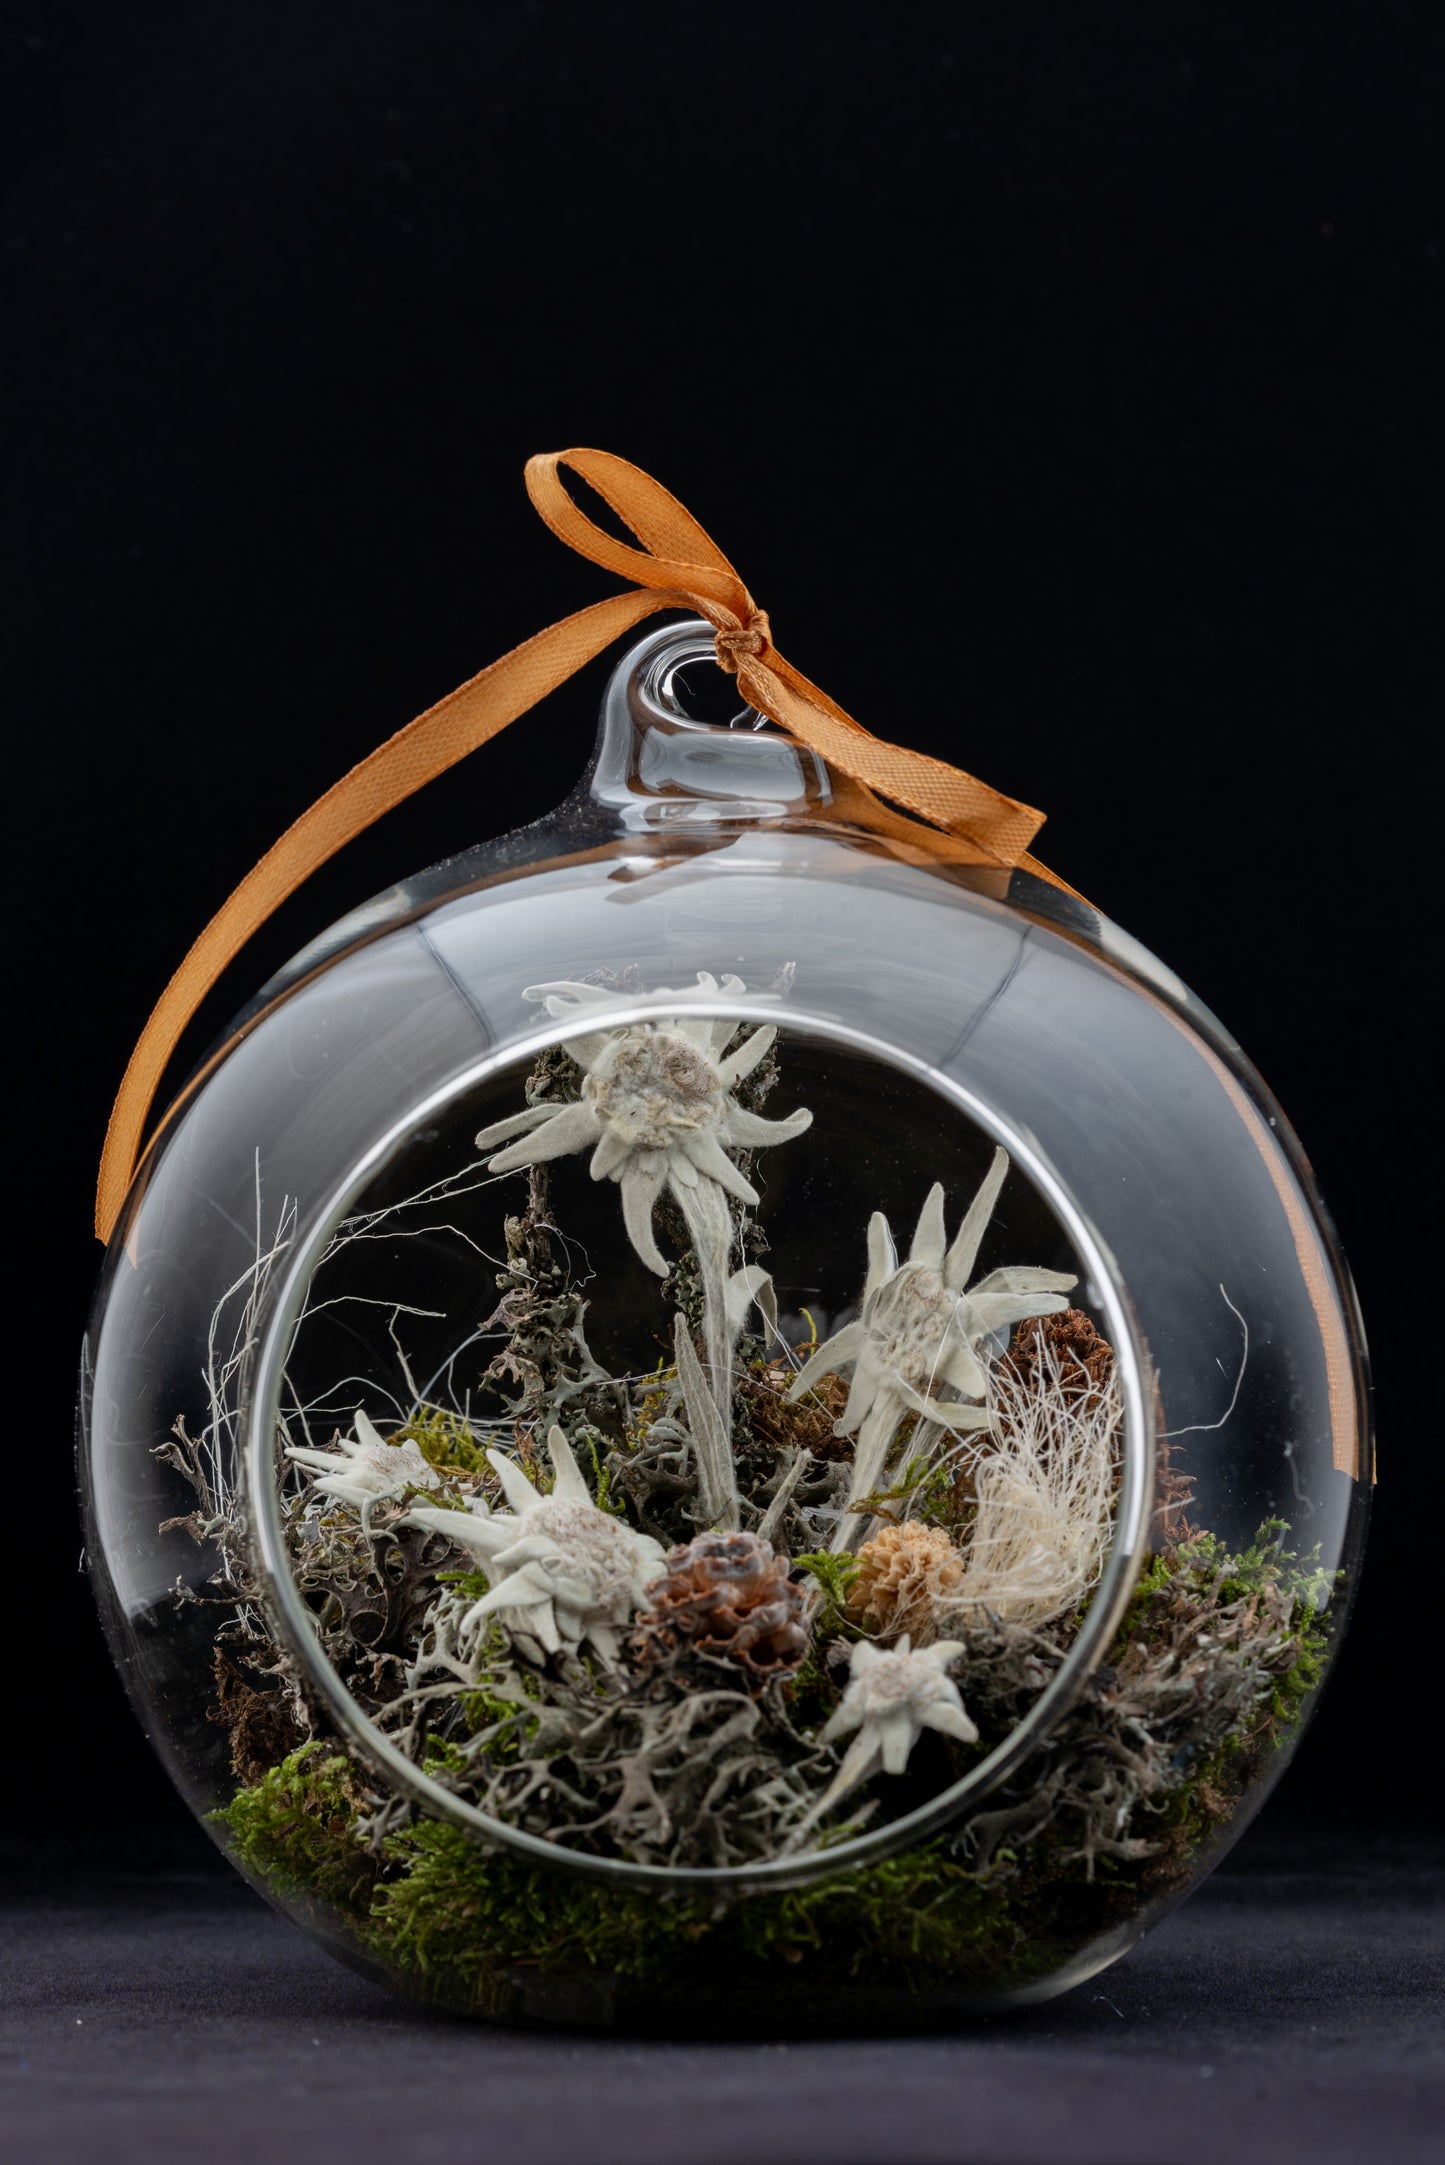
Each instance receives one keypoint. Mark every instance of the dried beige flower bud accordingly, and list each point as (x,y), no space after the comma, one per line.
(905,1574)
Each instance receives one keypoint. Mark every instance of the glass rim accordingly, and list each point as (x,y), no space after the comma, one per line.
(288,1614)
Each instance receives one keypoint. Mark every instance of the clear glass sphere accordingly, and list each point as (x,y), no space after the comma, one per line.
(706,1418)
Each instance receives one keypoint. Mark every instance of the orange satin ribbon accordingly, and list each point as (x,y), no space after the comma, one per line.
(677,567)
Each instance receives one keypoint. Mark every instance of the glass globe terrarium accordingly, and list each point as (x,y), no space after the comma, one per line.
(705,1419)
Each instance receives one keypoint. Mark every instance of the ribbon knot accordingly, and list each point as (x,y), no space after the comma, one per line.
(735,644)
(946,814)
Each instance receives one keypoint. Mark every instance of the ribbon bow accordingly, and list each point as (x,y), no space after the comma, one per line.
(678,566)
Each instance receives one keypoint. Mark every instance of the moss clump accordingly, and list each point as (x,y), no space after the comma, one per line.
(459,1907)
(295,1832)
(906,1919)
(444,1440)
(834,1575)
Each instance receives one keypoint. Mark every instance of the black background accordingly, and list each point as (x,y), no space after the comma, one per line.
(1066,380)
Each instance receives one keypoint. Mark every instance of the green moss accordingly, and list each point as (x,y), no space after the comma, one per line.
(835,1575)
(295,1832)
(444,1440)
(457,1906)
(591,1440)
(906,1918)
(440,1901)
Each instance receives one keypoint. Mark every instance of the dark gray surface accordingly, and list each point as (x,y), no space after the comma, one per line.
(1289,2011)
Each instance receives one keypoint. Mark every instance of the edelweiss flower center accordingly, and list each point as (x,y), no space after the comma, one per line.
(892,1679)
(652,1086)
(601,1547)
(908,1321)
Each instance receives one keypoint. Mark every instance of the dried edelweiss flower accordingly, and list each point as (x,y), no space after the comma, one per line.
(893,1695)
(728,1596)
(922,1326)
(366,1469)
(560,1571)
(657,1108)
(905,1575)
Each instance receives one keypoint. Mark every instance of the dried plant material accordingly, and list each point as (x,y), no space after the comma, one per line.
(259,1715)
(1044,1490)
(781,1420)
(1217,1649)
(724,1597)
(1083,1359)
(907,1576)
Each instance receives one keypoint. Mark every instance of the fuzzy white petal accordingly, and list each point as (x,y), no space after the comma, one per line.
(367,1433)
(757,1133)
(999,1311)
(642,1181)
(962,1256)
(611,1154)
(743,1288)
(569,1482)
(928,1238)
(484,1536)
(571,1128)
(752,1049)
(833,1354)
(882,1254)
(706,1153)
(960,1367)
(514,1124)
(948,1413)
(517,1489)
(587,1048)
(896,1735)
(1018,1278)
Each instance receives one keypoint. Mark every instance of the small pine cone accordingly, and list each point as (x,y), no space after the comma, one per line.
(729,1597)
(905,1575)
(1085,1360)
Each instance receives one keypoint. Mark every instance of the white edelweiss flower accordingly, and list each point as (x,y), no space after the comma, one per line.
(893,1695)
(366,1470)
(560,1571)
(656,1109)
(923,1328)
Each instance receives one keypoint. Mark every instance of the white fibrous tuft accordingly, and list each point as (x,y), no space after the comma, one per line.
(1045,1491)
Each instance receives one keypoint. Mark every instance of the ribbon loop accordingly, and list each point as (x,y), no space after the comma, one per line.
(678,566)
(677,555)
